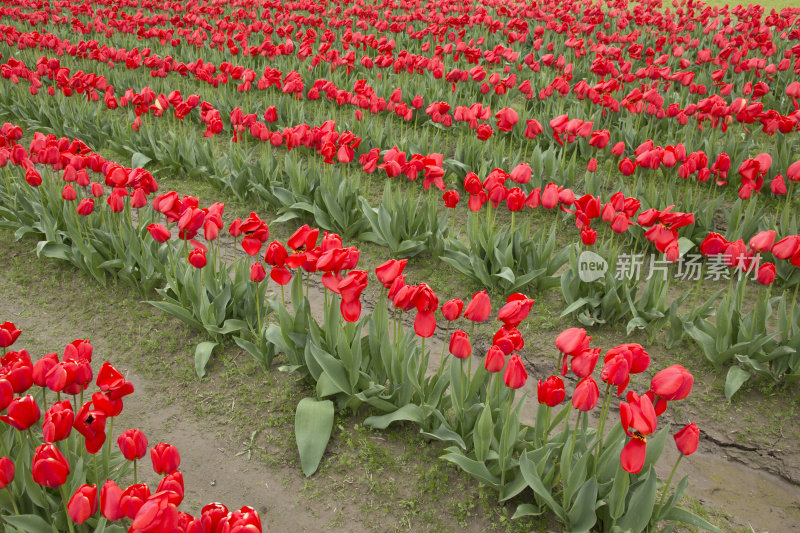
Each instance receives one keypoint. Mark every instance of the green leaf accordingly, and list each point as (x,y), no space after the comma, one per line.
(526,509)
(139,160)
(582,516)
(641,505)
(682,515)
(482,436)
(313,422)
(29,523)
(528,469)
(409,412)
(476,469)
(201,356)
(735,379)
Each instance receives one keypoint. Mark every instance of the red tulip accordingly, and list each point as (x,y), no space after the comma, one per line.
(132,499)
(588,236)
(507,118)
(350,289)
(626,166)
(459,344)
(516,310)
(586,394)
(110,495)
(197,258)
(551,391)
(572,341)
(173,483)
(532,128)
(591,166)
(83,503)
(766,274)
(451,198)
(388,271)
(69,193)
(583,363)
(426,302)
(786,247)
(157,514)
(495,359)
(451,309)
(521,173)
(8,334)
(91,423)
(86,206)
(49,467)
(159,232)
(133,444)
(22,413)
(762,241)
(257,272)
(165,457)
(618,149)
(484,132)
(479,307)
(515,375)
(58,420)
(672,383)
(687,439)
(6,472)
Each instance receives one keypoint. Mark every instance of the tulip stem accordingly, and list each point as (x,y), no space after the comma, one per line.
(669,482)
(794,301)
(11,497)
(601,427)
(65,501)
(503,439)
(135,477)
(444,344)
(107,452)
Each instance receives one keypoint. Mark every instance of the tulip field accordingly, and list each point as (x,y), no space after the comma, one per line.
(590,294)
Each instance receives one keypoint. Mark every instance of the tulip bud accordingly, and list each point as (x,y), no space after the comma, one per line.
(687,439)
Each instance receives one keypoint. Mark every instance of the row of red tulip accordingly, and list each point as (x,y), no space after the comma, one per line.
(51,469)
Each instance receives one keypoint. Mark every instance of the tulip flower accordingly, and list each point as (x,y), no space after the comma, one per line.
(572,341)
(6,472)
(672,383)
(516,310)
(197,258)
(766,274)
(58,420)
(459,344)
(86,206)
(133,444)
(159,232)
(479,307)
(387,272)
(762,241)
(451,309)
(586,394)
(165,457)
(158,513)
(638,420)
(687,439)
(495,359)
(257,272)
(132,499)
(173,483)
(49,467)
(426,302)
(110,495)
(83,503)
(515,375)
(8,334)
(451,198)
(551,391)
(22,413)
